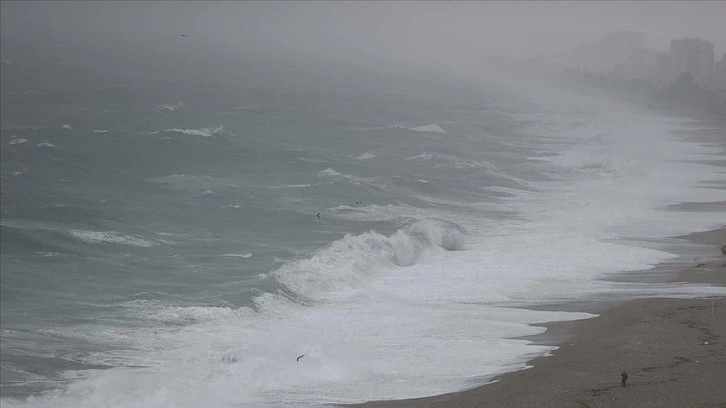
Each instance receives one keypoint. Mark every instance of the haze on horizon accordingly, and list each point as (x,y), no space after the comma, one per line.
(441,34)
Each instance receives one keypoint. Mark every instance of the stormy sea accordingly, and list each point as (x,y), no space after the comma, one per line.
(268,234)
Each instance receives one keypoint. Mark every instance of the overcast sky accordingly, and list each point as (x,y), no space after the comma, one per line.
(443,33)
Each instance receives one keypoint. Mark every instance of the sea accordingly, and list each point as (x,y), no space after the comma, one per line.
(281,234)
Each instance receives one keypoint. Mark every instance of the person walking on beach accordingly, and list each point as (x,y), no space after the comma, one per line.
(723,253)
(624,377)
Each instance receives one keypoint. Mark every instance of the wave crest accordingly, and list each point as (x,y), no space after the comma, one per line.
(111,237)
(205,132)
(433,128)
(345,263)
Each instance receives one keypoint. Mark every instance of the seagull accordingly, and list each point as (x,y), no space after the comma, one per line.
(300,356)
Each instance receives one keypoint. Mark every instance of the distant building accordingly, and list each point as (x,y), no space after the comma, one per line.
(719,74)
(694,56)
(665,71)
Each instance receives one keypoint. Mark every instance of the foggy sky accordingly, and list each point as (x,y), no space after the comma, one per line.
(439,33)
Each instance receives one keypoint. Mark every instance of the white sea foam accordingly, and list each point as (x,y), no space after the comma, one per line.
(329,172)
(186,315)
(357,257)
(291,186)
(17,140)
(452,162)
(111,237)
(365,156)
(205,132)
(245,256)
(421,157)
(433,128)
(67,127)
(100,131)
(374,212)
(171,107)
(45,144)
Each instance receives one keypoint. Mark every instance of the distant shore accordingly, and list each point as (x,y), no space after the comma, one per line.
(673,350)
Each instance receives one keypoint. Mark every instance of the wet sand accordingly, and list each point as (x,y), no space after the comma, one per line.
(673,350)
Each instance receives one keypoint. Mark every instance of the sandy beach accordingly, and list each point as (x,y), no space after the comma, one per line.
(673,351)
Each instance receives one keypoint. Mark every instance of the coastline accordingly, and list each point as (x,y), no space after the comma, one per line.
(673,349)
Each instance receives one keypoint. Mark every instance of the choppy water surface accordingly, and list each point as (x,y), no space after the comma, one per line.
(171,242)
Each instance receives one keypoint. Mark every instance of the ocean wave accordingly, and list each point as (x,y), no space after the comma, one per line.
(452,162)
(205,132)
(179,315)
(205,193)
(343,264)
(374,212)
(171,107)
(100,131)
(245,256)
(329,172)
(420,157)
(433,128)
(68,127)
(196,182)
(17,140)
(111,237)
(356,180)
(366,156)
(292,186)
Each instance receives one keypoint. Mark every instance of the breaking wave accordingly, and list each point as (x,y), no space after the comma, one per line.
(171,107)
(111,237)
(345,263)
(205,132)
(365,156)
(17,140)
(433,128)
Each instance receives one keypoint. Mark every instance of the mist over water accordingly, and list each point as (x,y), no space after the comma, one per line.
(179,225)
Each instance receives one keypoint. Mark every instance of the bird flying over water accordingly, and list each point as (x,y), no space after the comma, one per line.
(300,356)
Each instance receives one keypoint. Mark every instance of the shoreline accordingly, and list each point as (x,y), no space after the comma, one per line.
(673,349)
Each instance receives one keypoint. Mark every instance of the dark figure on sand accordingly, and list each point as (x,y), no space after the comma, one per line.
(624,377)
(723,254)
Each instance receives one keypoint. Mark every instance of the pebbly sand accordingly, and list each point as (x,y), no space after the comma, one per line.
(673,350)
